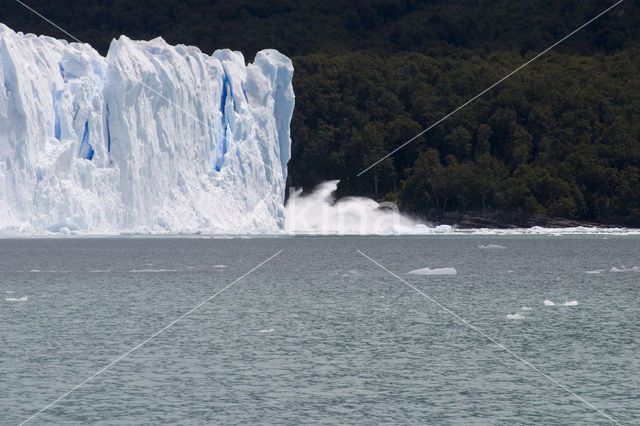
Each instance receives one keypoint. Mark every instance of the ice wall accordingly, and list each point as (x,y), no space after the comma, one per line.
(150,138)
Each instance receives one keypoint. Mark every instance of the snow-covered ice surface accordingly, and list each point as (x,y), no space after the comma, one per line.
(152,138)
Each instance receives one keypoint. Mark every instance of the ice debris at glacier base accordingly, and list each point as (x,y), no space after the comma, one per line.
(150,138)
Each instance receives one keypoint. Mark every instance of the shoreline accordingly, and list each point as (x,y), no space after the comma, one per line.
(497,220)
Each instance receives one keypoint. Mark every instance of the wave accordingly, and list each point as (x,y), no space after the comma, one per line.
(320,213)
(17,299)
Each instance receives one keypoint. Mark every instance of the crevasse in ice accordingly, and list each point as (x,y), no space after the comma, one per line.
(150,138)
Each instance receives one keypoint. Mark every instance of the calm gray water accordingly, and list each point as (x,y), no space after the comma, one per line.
(319,334)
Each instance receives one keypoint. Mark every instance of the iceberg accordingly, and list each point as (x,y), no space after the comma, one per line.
(435,271)
(491,247)
(151,138)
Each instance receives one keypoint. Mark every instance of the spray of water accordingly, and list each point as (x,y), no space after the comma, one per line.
(320,213)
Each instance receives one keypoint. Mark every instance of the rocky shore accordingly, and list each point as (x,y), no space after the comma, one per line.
(507,220)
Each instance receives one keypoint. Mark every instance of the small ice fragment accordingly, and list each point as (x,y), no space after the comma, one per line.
(517,315)
(491,247)
(525,308)
(570,303)
(266,330)
(595,271)
(549,303)
(435,271)
(625,269)
(442,229)
(219,266)
(17,299)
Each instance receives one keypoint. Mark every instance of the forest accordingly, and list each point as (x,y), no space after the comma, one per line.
(559,139)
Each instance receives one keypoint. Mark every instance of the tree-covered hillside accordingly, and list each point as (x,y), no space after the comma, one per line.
(561,138)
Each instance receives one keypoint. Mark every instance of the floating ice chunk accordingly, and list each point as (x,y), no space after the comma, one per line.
(266,330)
(517,315)
(219,266)
(526,308)
(491,247)
(549,303)
(442,229)
(435,271)
(17,299)
(570,303)
(624,269)
(595,271)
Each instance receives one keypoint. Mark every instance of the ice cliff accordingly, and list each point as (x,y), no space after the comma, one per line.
(150,138)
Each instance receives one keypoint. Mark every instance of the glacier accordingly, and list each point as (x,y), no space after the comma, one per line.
(152,138)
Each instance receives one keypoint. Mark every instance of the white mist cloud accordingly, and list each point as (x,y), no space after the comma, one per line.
(320,213)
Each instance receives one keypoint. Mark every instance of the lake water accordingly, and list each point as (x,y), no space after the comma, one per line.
(320,334)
